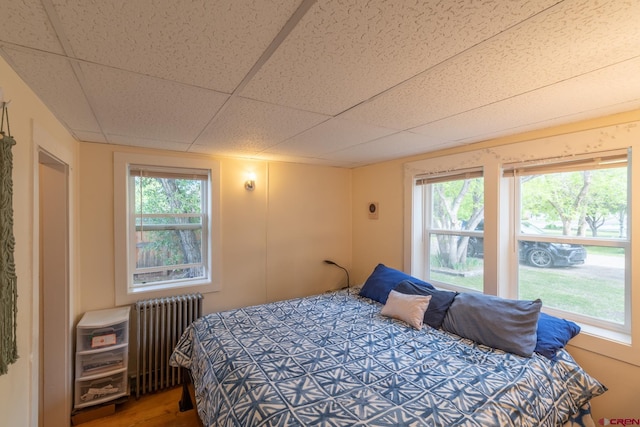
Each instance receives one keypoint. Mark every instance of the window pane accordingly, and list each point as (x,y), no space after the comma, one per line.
(169,226)
(456,258)
(570,273)
(590,203)
(457,205)
(594,289)
(165,195)
(168,247)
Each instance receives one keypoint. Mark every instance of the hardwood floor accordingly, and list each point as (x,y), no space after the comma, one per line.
(153,410)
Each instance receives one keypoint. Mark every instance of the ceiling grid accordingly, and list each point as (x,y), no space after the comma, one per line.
(333,82)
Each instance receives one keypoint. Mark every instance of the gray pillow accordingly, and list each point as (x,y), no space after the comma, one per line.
(508,325)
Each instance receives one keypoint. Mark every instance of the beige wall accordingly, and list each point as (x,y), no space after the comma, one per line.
(29,120)
(378,240)
(382,240)
(274,238)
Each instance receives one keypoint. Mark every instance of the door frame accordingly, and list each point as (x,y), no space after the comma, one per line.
(45,145)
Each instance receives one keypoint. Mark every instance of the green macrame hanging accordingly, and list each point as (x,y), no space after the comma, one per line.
(8,278)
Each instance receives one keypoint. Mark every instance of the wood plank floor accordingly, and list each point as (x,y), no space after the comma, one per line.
(158,409)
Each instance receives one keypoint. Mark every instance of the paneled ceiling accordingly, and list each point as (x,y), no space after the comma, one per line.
(332,82)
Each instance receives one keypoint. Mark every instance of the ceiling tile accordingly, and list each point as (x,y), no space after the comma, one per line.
(546,107)
(329,136)
(25,23)
(393,146)
(344,52)
(53,79)
(252,126)
(198,42)
(554,46)
(147,107)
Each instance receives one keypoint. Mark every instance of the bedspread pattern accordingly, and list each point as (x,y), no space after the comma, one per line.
(333,360)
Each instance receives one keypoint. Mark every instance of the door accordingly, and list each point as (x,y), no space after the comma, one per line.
(53,213)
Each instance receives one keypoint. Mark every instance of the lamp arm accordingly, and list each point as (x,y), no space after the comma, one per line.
(328,261)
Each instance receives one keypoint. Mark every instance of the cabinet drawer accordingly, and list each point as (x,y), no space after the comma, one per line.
(98,390)
(92,364)
(102,337)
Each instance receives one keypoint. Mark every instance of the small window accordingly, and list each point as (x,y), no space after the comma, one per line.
(170,219)
(452,232)
(166,220)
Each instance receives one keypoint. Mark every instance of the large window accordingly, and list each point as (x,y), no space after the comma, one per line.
(555,229)
(166,233)
(573,244)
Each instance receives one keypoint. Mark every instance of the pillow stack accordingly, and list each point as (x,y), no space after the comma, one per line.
(384,280)
(514,326)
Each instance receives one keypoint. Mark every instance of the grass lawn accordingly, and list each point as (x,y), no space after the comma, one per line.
(562,289)
(588,290)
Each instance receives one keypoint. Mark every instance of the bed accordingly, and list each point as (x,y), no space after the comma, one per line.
(335,360)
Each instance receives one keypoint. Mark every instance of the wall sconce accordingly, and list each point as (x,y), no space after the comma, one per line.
(250,183)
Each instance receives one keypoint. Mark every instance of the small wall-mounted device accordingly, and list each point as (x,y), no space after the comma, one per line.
(250,183)
(373,210)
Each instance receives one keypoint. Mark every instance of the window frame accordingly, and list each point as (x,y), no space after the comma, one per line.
(423,195)
(124,227)
(499,272)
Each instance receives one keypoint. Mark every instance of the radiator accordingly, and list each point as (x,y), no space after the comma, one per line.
(159,324)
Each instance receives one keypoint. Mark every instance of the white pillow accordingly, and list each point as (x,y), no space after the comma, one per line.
(408,308)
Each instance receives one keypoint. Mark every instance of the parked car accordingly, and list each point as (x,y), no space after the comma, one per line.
(537,254)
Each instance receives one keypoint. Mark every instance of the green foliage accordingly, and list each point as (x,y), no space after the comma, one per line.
(457,202)
(573,197)
(152,196)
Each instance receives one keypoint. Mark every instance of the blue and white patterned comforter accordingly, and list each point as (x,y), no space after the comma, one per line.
(333,360)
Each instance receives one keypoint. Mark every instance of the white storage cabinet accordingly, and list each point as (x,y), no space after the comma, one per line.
(102,356)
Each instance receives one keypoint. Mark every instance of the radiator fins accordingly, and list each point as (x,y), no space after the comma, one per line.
(159,324)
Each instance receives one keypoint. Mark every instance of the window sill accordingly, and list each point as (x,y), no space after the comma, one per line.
(164,291)
(615,345)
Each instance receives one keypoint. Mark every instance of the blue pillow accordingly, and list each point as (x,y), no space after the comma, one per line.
(509,325)
(553,334)
(438,306)
(382,281)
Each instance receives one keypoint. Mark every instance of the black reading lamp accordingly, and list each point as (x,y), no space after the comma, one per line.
(328,261)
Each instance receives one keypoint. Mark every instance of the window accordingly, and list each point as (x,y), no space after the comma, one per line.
(571,228)
(555,229)
(170,218)
(166,226)
(451,233)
